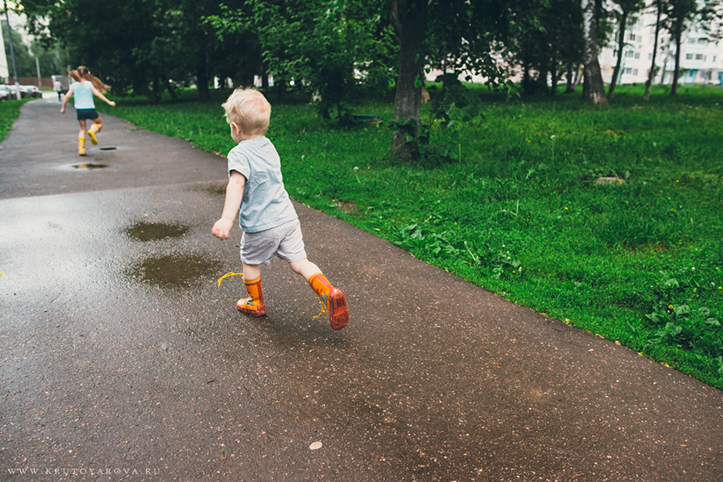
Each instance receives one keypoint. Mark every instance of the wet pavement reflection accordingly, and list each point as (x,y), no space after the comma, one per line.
(174,270)
(147,231)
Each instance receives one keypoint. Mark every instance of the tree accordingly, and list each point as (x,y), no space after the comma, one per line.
(550,43)
(659,6)
(680,14)
(457,34)
(593,89)
(143,45)
(568,38)
(112,41)
(626,9)
(334,51)
(409,18)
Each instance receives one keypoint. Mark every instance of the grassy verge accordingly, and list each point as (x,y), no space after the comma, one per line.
(518,209)
(9,112)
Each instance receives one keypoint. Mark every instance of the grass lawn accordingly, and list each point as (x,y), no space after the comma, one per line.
(517,209)
(9,112)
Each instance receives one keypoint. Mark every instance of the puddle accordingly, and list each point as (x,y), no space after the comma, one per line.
(214,190)
(89,166)
(154,231)
(173,271)
(109,148)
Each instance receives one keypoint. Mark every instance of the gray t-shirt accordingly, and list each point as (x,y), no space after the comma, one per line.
(265,202)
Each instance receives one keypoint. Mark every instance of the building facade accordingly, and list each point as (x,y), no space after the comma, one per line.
(701,57)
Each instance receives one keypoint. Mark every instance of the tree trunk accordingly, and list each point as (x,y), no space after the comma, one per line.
(676,70)
(156,83)
(665,66)
(527,87)
(171,90)
(202,76)
(407,102)
(594,90)
(553,78)
(621,47)
(578,76)
(280,89)
(542,79)
(264,78)
(570,89)
(651,75)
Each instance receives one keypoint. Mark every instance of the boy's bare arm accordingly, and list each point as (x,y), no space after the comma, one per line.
(234,195)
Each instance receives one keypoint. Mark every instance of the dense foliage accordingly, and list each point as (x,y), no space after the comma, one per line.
(326,47)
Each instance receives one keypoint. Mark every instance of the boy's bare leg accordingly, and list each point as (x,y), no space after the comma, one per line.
(332,298)
(251,271)
(305,268)
(254,304)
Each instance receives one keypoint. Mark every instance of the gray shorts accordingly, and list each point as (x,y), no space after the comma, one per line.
(284,242)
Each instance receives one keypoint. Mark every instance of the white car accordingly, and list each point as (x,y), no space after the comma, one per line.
(6,92)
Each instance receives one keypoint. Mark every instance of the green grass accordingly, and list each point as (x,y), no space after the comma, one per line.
(519,213)
(9,112)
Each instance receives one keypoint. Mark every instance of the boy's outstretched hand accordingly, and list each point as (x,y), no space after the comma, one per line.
(222,228)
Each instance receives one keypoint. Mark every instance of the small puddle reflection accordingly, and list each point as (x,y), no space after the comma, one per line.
(154,231)
(90,166)
(214,190)
(172,271)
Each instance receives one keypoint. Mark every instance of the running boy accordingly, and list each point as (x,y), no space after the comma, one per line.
(268,219)
(84,88)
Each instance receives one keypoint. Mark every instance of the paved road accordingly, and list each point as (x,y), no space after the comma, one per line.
(120,357)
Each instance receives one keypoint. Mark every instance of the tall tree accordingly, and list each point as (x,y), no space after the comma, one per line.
(593,89)
(659,5)
(550,43)
(625,9)
(681,13)
(457,33)
(335,51)
(568,38)
(409,18)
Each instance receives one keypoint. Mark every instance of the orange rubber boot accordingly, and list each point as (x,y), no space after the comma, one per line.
(92,132)
(254,304)
(333,298)
(81,146)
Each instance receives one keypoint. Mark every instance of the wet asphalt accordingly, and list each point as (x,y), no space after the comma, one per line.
(121,359)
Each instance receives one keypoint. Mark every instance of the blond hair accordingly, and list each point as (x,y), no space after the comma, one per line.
(249,109)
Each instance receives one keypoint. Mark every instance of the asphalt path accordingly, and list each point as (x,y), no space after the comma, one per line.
(121,358)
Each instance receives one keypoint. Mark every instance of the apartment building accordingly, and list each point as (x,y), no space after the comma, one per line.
(701,59)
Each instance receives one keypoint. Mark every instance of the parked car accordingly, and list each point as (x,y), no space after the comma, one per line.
(5,92)
(30,91)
